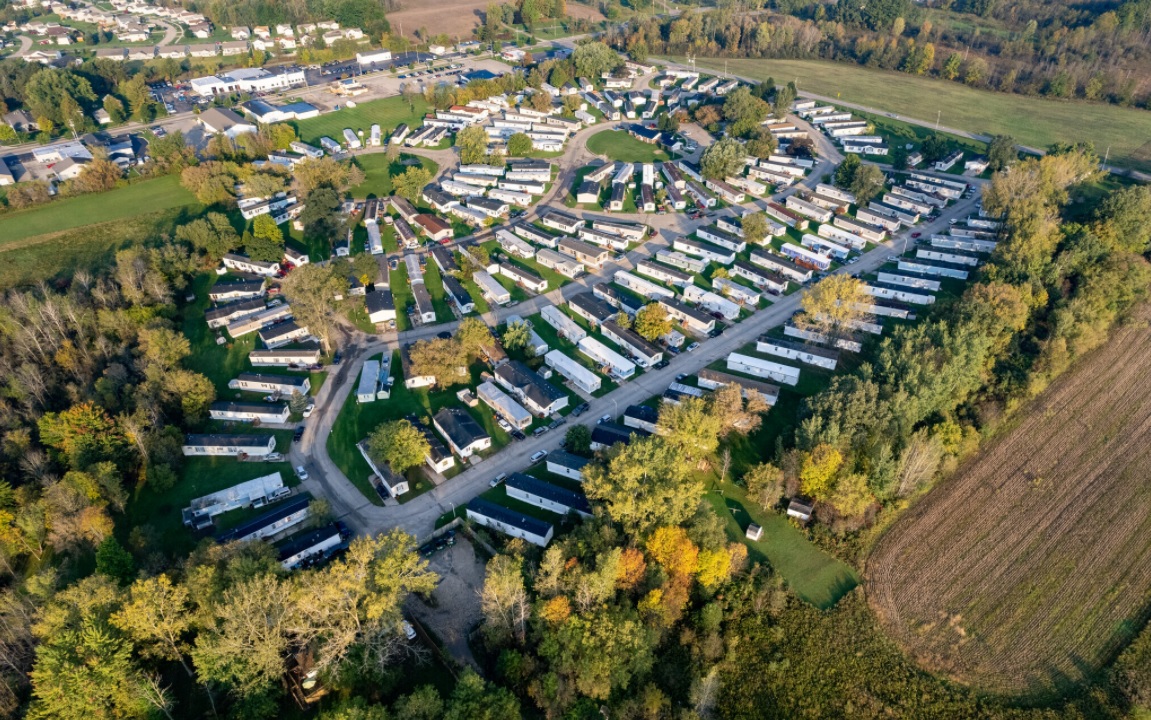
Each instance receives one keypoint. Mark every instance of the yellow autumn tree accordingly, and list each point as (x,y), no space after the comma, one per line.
(817,473)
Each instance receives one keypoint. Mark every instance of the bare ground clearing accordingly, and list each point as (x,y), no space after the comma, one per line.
(1030,568)
(456,18)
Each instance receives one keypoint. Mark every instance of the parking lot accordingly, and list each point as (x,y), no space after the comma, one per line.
(455,609)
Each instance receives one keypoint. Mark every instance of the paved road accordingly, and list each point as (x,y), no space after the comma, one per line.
(171,33)
(25,46)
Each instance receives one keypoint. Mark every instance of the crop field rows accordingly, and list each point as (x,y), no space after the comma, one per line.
(1026,572)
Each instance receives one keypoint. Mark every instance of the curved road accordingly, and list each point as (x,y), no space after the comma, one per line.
(418,516)
(171,33)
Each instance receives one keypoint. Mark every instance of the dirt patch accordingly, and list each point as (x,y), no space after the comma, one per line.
(1026,572)
(457,599)
(456,18)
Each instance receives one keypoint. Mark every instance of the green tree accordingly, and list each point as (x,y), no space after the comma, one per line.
(321,216)
(744,112)
(519,144)
(474,699)
(818,471)
(399,444)
(1001,152)
(755,227)
(473,144)
(762,145)
(867,183)
(592,59)
(764,483)
(652,321)
(85,434)
(312,291)
(411,182)
(577,440)
(952,66)
(504,601)
(600,653)
(691,426)
(784,97)
(845,173)
(517,335)
(114,561)
(266,241)
(722,159)
(644,485)
(84,667)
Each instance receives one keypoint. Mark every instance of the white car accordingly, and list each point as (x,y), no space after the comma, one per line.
(301,472)
(692,347)
(537,456)
(409,631)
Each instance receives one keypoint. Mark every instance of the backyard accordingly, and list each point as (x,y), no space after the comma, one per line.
(618,145)
(356,420)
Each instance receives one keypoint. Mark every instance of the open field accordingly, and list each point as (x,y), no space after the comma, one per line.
(1031,121)
(458,17)
(1030,569)
(388,113)
(163,193)
(59,254)
(618,145)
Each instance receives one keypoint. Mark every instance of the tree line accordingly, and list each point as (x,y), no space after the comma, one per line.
(1105,60)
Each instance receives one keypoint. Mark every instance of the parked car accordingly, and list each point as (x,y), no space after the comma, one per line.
(693,347)
(299,434)
(409,631)
(604,419)
(662,364)
(538,456)
(301,472)
(498,479)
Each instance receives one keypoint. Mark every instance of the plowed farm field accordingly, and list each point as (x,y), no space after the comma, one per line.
(1028,570)
(457,18)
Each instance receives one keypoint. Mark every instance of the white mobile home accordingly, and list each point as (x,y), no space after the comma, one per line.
(758,367)
(503,405)
(711,302)
(576,373)
(805,257)
(369,381)
(566,327)
(614,364)
(827,359)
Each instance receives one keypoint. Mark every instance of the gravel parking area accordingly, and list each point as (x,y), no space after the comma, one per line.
(457,599)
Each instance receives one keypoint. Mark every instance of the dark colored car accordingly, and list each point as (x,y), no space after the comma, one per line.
(299,434)
(662,364)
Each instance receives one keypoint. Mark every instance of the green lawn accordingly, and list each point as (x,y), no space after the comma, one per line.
(387,113)
(812,574)
(356,420)
(60,254)
(201,476)
(618,145)
(164,193)
(1031,121)
(378,171)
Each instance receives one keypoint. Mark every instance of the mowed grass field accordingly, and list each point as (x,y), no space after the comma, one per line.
(1026,572)
(147,196)
(1031,121)
(618,145)
(387,113)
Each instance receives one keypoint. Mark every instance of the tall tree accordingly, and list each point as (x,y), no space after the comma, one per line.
(399,444)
